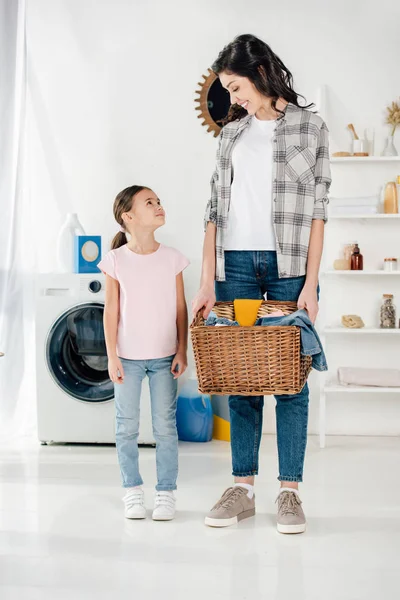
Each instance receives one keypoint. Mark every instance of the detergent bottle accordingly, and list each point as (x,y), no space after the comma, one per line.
(194,414)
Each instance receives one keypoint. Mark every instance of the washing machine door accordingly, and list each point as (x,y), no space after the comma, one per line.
(76,353)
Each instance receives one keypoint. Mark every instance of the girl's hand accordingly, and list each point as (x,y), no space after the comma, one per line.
(179,364)
(205,297)
(308,300)
(115,370)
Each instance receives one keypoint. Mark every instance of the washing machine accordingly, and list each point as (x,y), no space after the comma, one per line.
(74,393)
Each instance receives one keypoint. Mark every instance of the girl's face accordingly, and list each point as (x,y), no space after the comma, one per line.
(146,212)
(243,92)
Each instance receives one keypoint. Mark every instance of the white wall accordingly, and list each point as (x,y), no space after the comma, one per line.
(112,87)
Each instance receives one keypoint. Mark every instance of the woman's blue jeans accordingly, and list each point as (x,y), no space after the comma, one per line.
(251,274)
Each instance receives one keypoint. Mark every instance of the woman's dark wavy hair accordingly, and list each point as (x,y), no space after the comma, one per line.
(250,57)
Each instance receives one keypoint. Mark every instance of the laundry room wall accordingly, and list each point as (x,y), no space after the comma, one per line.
(111,103)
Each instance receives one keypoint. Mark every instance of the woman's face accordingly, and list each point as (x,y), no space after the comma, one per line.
(242,91)
(146,211)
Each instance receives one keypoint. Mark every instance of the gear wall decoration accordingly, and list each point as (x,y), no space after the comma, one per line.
(213,102)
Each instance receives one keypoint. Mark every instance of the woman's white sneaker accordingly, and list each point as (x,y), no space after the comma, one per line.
(134,503)
(164,506)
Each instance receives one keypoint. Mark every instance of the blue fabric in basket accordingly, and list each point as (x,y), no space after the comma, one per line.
(310,342)
(214,320)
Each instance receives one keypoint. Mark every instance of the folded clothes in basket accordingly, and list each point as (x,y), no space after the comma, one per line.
(213,319)
(310,342)
(369,377)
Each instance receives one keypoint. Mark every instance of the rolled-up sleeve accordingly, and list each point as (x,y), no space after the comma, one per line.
(322,176)
(211,208)
(212,205)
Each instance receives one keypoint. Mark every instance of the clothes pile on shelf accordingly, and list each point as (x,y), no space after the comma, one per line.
(363,205)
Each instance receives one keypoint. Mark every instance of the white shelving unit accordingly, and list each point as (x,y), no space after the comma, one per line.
(367,216)
(377,273)
(364,159)
(329,385)
(334,387)
(363,331)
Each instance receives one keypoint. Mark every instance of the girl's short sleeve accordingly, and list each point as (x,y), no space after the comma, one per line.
(181,262)
(107,265)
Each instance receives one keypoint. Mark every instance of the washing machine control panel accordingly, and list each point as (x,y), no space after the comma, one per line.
(95,286)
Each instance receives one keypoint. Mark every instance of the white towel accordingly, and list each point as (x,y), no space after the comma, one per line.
(369,377)
(353,210)
(357,201)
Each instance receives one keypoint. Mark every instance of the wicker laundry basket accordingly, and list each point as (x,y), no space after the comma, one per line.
(249,361)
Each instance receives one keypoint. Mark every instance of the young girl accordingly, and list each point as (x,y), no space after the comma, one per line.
(146,329)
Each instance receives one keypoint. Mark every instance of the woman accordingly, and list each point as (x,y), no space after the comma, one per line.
(264,230)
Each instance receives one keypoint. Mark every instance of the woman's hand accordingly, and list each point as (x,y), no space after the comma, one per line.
(308,300)
(115,370)
(205,298)
(179,364)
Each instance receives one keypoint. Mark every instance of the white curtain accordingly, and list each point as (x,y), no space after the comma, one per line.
(17,372)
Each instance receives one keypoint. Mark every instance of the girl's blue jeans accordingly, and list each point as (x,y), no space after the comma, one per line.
(163,391)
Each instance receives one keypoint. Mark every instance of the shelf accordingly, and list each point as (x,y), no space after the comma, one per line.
(362,273)
(364,159)
(362,331)
(367,216)
(333,387)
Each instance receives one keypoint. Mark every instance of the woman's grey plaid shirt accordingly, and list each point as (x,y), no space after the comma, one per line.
(301,182)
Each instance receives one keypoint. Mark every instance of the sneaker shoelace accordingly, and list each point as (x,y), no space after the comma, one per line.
(134,499)
(229,497)
(166,500)
(288,503)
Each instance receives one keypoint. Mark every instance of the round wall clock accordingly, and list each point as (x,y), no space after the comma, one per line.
(213,102)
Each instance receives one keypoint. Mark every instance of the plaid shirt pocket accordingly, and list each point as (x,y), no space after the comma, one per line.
(300,163)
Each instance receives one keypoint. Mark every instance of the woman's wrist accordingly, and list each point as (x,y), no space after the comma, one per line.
(311,283)
(207,284)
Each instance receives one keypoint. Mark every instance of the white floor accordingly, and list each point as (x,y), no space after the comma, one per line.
(63,534)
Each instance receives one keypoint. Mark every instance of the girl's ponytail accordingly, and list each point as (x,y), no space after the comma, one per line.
(123,204)
(119,240)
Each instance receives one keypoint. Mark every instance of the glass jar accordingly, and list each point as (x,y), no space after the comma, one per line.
(390,265)
(388,312)
(348,250)
(357,259)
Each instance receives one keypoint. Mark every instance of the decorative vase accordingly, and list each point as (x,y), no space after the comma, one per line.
(390,148)
(390,201)
(66,242)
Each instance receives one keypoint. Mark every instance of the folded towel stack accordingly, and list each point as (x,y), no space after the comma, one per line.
(362,205)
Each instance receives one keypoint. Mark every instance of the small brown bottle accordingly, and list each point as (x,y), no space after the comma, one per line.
(357,260)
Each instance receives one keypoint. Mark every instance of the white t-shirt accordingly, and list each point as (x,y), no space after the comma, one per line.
(250,225)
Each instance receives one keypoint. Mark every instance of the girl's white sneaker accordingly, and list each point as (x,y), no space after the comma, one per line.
(134,503)
(164,506)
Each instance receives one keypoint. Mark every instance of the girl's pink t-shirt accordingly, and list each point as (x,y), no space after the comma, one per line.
(148,303)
